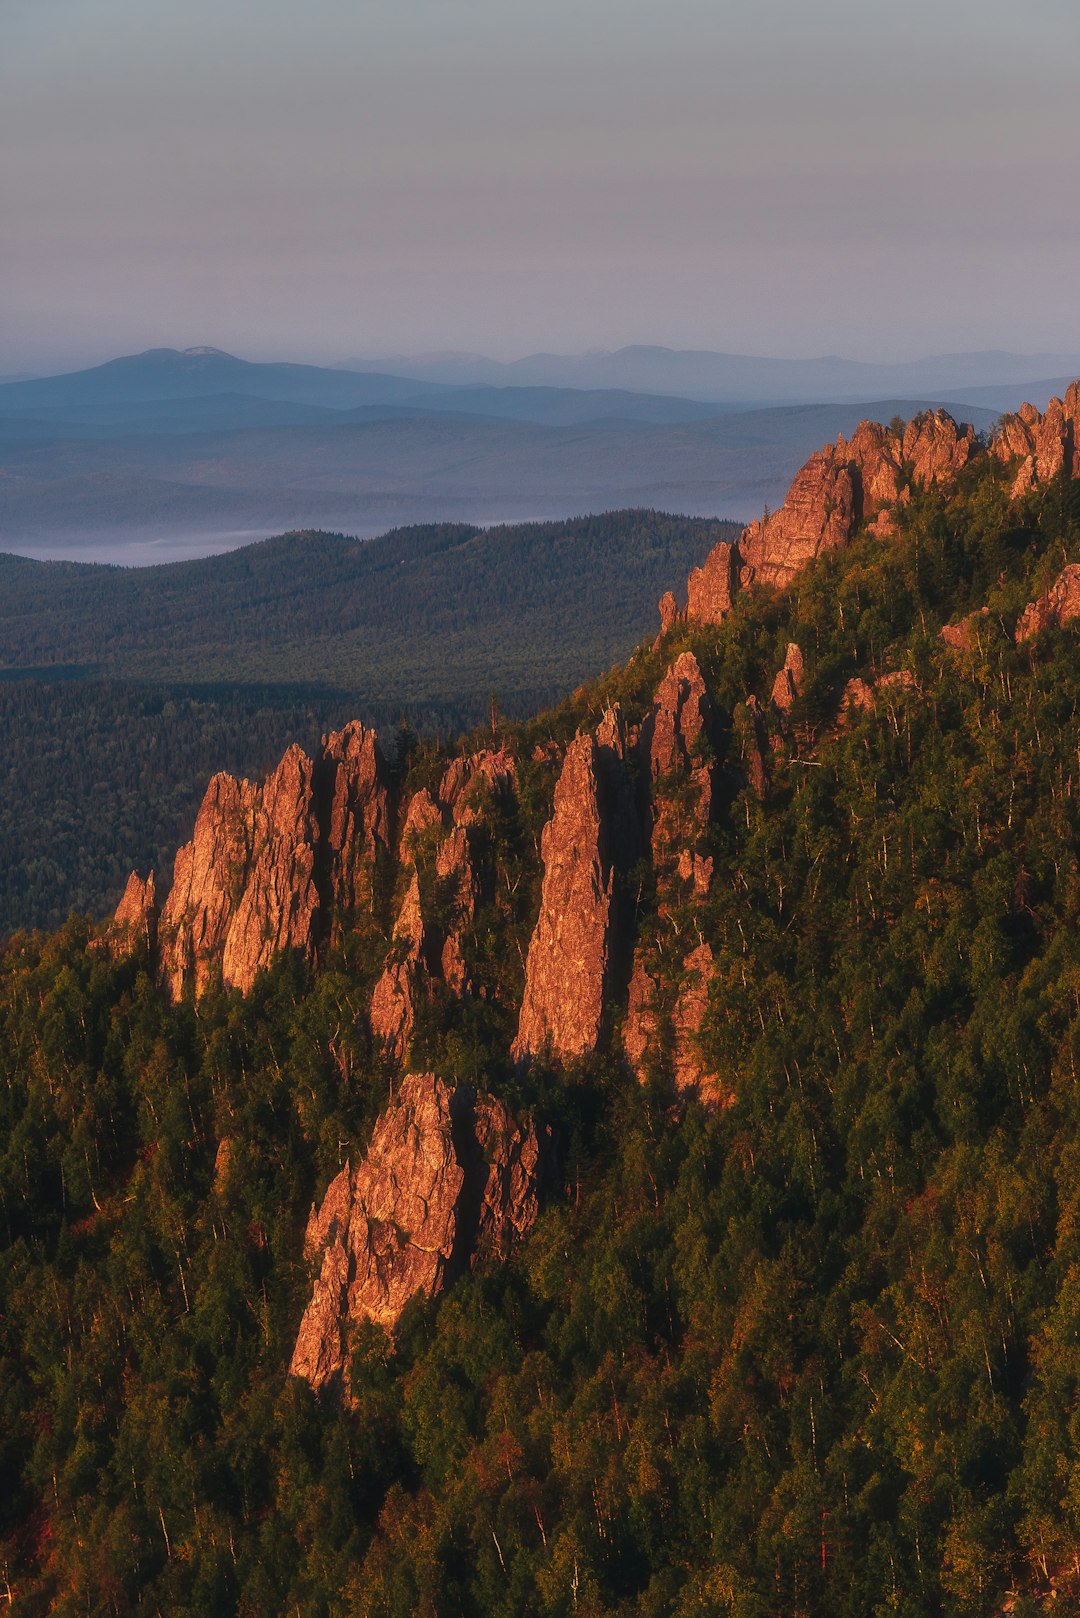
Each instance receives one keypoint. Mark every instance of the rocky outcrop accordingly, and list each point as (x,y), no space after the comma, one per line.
(861,480)
(468,780)
(963,636)
(787,687)
(566,970)
(448,1179)
(454,869)
(659,1022)
(208,876)
(1058,607)
(843,485)
(279,902)
(753,742)
(269,866)
(691,1004)
(429,944)
(396,993)
(134,924)
(675,743)
(861,696)
(352,776)
(710,589)
(1036,445)
(821,513)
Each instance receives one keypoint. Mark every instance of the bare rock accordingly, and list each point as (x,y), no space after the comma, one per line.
(821,513)
(386,1229)
(208,875)
(669,612)
(865,479)
(937,448)
(675,745)
(279,903)
(1058,607)
(454,868)
(421,817)
(787,687)
(563,1005)
(448,1179)
(650,1026)
(612,744)
(641,1026)
(753,746)
(963,636)
(394,998)
(691,1004)
(697,870)
(468,779)
(134,924)
(509,1178)
(711,587)
(352,776)
(861,696)
(1039,446)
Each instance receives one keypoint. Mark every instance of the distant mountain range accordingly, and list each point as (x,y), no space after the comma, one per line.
(200,449)
(744,379)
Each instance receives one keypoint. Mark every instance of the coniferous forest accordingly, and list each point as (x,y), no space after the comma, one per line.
(811,1349)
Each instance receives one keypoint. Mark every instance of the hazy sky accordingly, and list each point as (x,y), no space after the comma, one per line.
(339,177)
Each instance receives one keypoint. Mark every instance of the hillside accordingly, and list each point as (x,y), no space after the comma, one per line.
(165,670)
(624,1163)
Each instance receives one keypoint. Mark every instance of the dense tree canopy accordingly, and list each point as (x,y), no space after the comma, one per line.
(814,1352)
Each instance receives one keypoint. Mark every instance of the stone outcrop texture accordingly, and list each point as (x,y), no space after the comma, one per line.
(711,587)
(676,748)
(1058,607)
(353,783)
(449,1179)
(1038,446)
(851,482)
(134,924)
(566,970)
(274,867)
(788,683)
(861,480)
(243,888)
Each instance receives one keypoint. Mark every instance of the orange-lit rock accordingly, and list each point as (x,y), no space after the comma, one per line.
(448,1179)
(563,1006)
(1058,607)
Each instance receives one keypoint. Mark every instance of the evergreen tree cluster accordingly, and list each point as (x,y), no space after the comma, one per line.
(814,1352)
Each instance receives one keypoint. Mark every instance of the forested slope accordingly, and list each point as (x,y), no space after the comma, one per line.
(121,690)
(800,1339)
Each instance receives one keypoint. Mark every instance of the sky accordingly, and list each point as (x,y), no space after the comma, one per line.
(371,177)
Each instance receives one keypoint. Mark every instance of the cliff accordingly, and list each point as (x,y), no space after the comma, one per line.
(448,1180)
(292,864)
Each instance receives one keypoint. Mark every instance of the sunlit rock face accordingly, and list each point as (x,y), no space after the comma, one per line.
(449,1179)
(1058,607)
(1038,445)
(243,888)
(563,1006)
